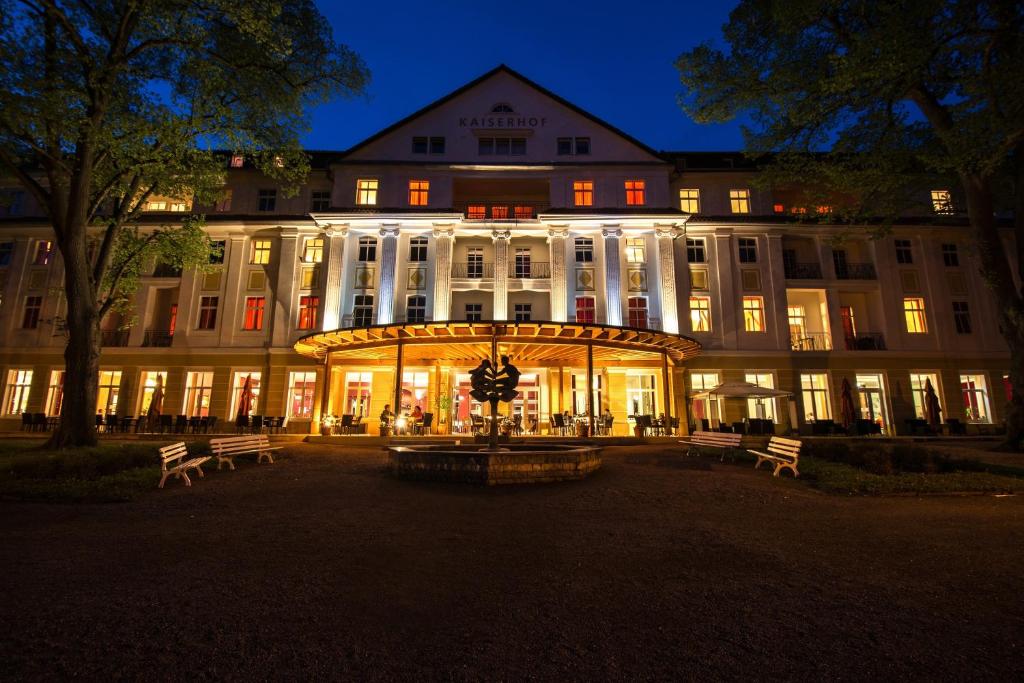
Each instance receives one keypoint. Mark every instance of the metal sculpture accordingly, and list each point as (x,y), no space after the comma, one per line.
(493,385)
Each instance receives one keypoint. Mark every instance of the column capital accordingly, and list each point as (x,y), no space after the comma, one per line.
(336,231)
(613,231)
(501,235)
(444,231)
(670,231)
(389,230)
(558,232)
(288,231)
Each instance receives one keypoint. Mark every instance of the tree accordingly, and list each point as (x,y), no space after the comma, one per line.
(863,98)
(108,103)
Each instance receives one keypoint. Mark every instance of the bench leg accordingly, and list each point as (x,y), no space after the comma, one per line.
(270,458)
(163,479)
(221,461)
(759,461)
(184,475)
(199,469)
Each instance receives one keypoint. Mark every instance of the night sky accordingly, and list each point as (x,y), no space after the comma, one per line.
(613,59)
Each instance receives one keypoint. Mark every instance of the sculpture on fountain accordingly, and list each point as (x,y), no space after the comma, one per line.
(492,385)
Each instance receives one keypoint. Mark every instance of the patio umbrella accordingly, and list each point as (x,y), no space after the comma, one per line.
(931,405)
(846,405)
(741,390)
(156,402)
(245,400)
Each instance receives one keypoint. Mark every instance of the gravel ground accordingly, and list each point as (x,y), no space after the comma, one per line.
(321,566)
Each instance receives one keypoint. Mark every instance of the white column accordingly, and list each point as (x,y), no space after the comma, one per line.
(556,244)
(232,308)
(775,293)
(501,239)
(612,276)
(728,321)
(332,271)
(284,288)
(444,243)
(388,259)
(666,236)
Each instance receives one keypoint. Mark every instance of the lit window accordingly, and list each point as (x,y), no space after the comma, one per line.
(689,201)
(301,390)
(260,252)
(320,200)
(367,249)
(266,200)
(637,312)
(942,202)
(523,312)
(207,313)
(903,252)
(366,192)
(523,212)
(19,384)
(310,277)
(635,250)
(823,210)
(474,312)
(238,386)
(761,408)
(362,310)
(975,392)
(919,390)
(499,212)
(753,314)
(695,251)
(418,192)
(748,249)
(358,391)
(583,192)
(254,306)
(109,392)
(313,252)
(416,309)
(586,309)
(962,317)
(149,382)
(156,205)
(950,256)
(913,312)
(55,393)
(705,410)
(636,192)
(198,392)
(814,390)
(44,252)
(476,211)
(739,201)
(309,310)
(778,208)
(237,160)
(700,313)
(418,249)
(584,250)
(33,307)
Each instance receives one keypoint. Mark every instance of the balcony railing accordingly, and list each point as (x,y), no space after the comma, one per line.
(803,271)
(473,270)
(158,338)
(865,341)
(529,270)
(500,211)
(114,337)
(811,341)
(856,271)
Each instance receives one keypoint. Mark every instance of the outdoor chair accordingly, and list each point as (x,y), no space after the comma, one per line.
(180,424)
(256,424)
(99,422)
(26,422)
(557,422)
(532,425)
(358,426)
(194,423)
(428,421)
(39,422)
(956,427)
(111,423)
(517,425)
(606,425)
(478,423)
(166,423)
(211,424)
(241,424)
(345,427)
(674,422)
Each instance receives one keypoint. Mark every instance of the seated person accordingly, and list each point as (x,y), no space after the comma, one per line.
(386,415)
(417,413)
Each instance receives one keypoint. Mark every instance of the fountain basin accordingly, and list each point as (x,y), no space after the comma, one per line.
(514,464)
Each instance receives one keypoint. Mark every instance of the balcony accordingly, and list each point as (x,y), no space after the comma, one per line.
(166,270)
(856,271)
(158,338)
(865,341)
(500,212)
(803,271)
(527,270)
(473,270)
(810,341)
(114,337)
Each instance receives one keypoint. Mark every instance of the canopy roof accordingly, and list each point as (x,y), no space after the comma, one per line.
(524,341)
(741,390)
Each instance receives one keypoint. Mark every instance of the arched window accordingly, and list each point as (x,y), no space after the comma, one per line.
(502,108)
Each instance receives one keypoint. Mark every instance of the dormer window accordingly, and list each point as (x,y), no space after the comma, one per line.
(567,146)
(237,160)
(421,144)
(502,108)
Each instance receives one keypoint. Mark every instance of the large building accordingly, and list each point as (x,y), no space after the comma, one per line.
(662,273)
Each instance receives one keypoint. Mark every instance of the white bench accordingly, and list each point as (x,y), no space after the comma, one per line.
(173,461)
(226,448)
(722,440)
(781,453)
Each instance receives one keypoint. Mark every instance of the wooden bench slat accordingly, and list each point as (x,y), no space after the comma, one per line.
(785,453)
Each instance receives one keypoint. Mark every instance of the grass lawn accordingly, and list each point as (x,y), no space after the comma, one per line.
(839,478)
(107,473)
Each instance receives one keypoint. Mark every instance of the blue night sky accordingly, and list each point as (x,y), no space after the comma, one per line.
(613,59)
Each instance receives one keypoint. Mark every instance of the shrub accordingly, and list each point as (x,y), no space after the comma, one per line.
(83,463)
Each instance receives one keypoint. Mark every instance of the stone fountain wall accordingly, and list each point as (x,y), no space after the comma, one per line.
(474,467)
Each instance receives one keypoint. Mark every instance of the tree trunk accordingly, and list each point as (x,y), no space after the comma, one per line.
(82,354)
(998,275)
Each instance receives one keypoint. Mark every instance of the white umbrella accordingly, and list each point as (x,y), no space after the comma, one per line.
(741,390)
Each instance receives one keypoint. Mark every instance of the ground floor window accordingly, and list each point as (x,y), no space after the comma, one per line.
(761,408)
(640,395)
(238,385)
(975,393)
(55,393)
(579,394)
(871,390)
(814,390)
(918,381)
(19,384)
(705,409)
(198,391)
(150,381)
(358,387)
(301,388)
(414,391)
(527,403)
(110,390)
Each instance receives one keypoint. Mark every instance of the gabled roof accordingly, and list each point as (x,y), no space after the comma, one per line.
(502,68)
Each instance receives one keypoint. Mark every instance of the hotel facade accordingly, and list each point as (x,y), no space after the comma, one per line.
(502,214)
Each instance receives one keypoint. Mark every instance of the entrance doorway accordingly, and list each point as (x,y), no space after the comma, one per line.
(871,389)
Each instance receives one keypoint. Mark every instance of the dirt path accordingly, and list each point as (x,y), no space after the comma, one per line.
(322,566)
